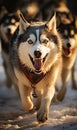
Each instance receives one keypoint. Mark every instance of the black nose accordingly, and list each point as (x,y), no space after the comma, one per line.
(37,54)
(68,45)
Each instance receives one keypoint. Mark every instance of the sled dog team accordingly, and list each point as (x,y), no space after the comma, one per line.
(36,54)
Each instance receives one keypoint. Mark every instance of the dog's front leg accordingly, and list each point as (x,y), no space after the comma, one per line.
(25,94)
(65,78)
(74,86)
(42,114)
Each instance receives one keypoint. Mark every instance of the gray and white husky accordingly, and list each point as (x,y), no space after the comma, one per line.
(35,56)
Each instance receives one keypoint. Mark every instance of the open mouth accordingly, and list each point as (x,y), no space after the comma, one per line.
(67,51)
(37,63)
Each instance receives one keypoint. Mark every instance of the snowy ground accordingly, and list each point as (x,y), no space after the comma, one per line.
(62,116)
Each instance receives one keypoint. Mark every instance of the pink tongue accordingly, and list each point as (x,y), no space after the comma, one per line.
(68,51)
(38,64)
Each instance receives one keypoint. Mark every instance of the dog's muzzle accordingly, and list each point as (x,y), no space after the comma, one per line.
(67,50)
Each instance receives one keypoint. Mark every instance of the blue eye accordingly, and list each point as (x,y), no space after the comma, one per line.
(30,41)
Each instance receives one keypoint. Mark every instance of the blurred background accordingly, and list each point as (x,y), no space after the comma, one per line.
(14,5)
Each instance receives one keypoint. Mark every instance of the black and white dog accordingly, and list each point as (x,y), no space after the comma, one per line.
(67,28)
(35,57)
(8,25)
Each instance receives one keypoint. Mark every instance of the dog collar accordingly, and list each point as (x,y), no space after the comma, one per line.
(33,77)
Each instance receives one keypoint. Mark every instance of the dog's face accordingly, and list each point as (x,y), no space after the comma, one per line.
(38,44)
(8,26)
(68,31)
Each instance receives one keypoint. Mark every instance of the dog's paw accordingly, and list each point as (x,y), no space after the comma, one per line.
(42,116)
(27,105)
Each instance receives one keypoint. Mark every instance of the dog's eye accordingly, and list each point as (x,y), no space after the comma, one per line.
(30,41)
(45,41)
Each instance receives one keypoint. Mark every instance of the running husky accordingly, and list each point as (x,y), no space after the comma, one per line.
(35,56)
(67,28)
(8,25)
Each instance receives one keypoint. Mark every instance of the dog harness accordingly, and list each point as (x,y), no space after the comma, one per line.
(32,76)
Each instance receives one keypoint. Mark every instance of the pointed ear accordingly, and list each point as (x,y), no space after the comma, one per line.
(51,25)
(23,24)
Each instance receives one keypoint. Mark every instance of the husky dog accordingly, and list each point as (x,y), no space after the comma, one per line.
(8,25)
(35,57)
(67,28)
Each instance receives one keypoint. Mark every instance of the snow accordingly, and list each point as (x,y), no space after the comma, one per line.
(62,115)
